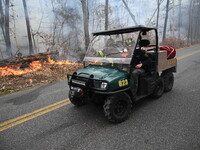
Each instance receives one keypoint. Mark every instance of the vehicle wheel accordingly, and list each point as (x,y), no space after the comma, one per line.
(117,107)
(168,81)
(159,88)
(76,100)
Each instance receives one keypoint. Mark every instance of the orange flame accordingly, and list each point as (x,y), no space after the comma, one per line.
(16,70)
(33,66)
(60,62)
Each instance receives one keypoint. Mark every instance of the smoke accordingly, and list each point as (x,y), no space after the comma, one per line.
(57,24)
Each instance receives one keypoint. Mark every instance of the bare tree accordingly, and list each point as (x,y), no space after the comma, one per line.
(198,21)
(106,14)
(179,19)
(166,19)
(2,21)
(1,54)
(28,28)
(54,27)
(190,23)
(6,29)
(158,12)
(194,21)
(131,14)
(85,22)
(66,34)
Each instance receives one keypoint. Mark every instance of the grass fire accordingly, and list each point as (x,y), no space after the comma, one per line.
(24,73)
(19,69)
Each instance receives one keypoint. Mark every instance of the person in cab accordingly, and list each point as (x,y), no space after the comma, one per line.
(141,63)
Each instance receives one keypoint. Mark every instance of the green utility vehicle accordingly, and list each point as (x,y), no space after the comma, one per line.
(106,76)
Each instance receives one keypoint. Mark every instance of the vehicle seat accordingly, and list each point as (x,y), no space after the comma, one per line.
(152,55)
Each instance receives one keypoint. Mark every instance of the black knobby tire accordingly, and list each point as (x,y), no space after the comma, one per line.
(77,101)
(168,81)
(159,88)
(117,107)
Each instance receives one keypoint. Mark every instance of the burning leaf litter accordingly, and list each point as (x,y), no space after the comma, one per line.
(18,69)
(15,78)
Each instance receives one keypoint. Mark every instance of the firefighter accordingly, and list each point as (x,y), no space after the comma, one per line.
(129,42)
(100,53)
(141,64)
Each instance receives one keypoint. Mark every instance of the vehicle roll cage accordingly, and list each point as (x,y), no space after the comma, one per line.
(141,30)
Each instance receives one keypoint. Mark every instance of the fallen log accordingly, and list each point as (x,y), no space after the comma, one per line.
(27,59)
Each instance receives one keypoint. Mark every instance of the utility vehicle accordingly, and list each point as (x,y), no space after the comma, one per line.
(106,76)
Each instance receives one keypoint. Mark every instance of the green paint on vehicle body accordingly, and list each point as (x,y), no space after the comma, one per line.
(110,74)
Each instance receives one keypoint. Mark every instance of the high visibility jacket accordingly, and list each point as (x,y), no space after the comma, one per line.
(99,53)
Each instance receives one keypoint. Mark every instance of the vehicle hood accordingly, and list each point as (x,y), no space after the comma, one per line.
(101,72)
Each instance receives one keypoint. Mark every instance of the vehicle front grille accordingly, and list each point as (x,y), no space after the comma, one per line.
(78,82)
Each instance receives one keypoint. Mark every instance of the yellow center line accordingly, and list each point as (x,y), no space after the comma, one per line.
(36,111)
(13,122)
(184,56)
(32,116)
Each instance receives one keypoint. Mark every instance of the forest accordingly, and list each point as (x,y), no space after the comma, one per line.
(65,26)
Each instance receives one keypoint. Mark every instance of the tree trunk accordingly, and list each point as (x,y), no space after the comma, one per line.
(158,13)
(198,20)
(179,20)
(2,23)
(54,36)
(166,19)
(190,24)
(54,29)
(106,15)
(7,30)
(28,28)
(131,14)
(1,54)
(86,22)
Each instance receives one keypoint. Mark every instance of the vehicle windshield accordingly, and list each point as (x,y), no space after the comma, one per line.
(117,48)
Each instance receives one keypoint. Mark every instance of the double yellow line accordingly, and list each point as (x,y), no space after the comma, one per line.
(13,122)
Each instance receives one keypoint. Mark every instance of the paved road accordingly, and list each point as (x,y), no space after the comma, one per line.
(47,123)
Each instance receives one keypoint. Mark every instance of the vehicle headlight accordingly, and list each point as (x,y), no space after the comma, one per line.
(104,85)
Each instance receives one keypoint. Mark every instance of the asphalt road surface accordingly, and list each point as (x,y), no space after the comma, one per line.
(43,119)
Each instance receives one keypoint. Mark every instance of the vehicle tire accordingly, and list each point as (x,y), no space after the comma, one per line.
(117,107)
(77,101)
(159,88)
(168,81)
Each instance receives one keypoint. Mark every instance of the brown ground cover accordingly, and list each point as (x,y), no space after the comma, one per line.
(47,74)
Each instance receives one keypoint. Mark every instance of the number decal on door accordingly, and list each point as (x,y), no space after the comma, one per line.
(123,82)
